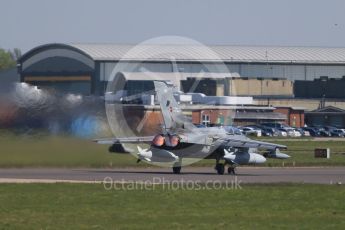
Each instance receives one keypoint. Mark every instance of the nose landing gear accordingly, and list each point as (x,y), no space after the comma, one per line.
(176,169)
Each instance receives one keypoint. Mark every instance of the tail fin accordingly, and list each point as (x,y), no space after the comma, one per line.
(172,114)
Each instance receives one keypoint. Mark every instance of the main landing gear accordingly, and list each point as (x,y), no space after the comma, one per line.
(177,169)
(177,166)
(231,170)
(220,168)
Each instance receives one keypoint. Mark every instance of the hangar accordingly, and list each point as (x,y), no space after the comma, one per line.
(86,68)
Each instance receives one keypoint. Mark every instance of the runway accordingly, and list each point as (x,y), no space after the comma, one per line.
(317,175)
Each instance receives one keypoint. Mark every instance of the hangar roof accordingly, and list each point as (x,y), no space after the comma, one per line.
(278,54)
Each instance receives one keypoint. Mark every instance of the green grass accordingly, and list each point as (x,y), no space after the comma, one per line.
(302,153)
(66,151)
(82,206)
(61,151)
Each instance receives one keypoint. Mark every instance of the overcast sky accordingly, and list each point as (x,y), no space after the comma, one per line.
(28,23)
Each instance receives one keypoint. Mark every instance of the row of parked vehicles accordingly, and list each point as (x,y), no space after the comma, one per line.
(282,130)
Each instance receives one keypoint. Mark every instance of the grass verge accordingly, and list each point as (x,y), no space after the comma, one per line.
(81,206)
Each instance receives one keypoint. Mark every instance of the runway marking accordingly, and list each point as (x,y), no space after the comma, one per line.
(44,181)
(54,181)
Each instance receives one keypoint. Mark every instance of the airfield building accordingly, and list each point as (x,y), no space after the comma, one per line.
(307,78)
(260,71)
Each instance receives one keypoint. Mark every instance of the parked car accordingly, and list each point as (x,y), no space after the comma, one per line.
(323,132)
(314,132)
(267,132)
(232,130)
(286,132)
(282,133)
(304,133)
(275,132)
(282,128)
(296,133)
(251,131)
(337,133)
(340,127)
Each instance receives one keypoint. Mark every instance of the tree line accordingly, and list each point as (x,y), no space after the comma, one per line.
(8,58)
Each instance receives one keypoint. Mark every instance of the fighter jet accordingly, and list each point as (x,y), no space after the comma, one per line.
(179,139)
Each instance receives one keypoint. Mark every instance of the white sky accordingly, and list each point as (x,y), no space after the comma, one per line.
(28,23)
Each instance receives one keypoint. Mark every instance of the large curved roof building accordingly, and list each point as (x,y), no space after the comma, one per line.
(86,68)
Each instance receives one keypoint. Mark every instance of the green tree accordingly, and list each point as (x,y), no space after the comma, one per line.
(6,59)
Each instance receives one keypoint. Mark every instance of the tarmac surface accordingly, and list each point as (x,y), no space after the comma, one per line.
(317,175)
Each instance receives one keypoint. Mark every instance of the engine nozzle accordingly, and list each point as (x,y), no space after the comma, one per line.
(174,140)
(158,140)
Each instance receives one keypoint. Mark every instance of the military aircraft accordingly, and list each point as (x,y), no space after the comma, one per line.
(179,139)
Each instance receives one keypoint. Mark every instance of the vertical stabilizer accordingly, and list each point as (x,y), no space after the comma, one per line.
(172,114)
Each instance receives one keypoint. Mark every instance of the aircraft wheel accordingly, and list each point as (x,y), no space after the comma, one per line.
(231,170)
(177,170)
(220,168)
